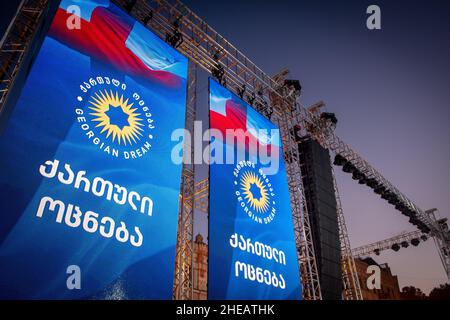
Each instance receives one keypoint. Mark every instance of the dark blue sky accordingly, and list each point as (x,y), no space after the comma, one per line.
(388,88)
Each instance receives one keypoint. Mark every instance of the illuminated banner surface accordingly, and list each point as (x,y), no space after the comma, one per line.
(252,252)
(89,195)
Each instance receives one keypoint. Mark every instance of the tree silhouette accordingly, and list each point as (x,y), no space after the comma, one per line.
(441,293)
(412,293)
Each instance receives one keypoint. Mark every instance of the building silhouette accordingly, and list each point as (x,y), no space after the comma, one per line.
(389,289)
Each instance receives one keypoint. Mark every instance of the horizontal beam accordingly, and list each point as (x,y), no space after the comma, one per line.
(379,246)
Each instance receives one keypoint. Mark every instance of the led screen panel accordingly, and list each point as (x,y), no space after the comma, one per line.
(89,195)
(252,252)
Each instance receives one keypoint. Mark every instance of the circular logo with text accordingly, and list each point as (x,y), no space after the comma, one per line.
(115,120)
(254,192)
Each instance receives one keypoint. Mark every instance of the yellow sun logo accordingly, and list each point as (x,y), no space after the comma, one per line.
(255,192)
(116,117)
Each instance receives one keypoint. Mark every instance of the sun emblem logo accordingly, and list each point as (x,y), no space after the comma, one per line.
(116,117)
(255,192)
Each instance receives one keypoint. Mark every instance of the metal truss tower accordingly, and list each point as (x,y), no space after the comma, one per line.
(16,42)
(441,240)
(283,116)
(350,279)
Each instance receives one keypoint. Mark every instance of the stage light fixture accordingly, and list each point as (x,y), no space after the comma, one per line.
(393,200)
(148,17)
(339,160)
(412,213)
(297,133)
(385,195)
(372,183)
(348,167)
(329,116)
(400,206)
(357,175)
(362,180)
(379,189)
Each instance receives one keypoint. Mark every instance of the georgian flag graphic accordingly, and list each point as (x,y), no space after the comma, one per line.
(229,112)
(107,36)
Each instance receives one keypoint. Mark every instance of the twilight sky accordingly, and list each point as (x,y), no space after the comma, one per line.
(388,88)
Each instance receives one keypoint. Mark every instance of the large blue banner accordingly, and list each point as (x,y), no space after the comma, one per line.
(252,252)
(89,195)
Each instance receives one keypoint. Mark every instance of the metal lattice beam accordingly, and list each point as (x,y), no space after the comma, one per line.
(377,247)
(184,265)
(408,238)
(201,196)
(442,245)
(350,278)
(16,41)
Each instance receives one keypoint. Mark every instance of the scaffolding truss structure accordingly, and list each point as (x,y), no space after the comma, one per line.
(350,278)
(377,247)
(283,117)
(184,262)
(201,196)
(16,41)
